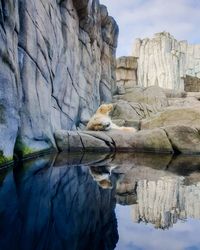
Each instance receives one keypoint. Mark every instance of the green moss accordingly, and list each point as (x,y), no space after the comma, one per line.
(4,159)
(22,149)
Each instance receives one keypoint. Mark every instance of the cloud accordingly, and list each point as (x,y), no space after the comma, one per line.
(143,18)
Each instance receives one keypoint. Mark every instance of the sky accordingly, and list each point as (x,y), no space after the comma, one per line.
(143,18)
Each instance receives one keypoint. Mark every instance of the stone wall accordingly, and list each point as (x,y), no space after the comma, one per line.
(163,61)
(57,66)
(126,73)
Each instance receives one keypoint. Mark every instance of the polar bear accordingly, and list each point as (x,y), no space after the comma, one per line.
(102,121)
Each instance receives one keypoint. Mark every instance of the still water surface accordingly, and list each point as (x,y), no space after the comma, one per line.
(122,201)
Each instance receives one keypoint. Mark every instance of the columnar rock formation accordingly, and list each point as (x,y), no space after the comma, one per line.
(165,62)
(57,65)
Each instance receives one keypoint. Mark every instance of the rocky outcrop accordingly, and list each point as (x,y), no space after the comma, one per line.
(171,139)
(163,61)
(138,103)
(57,66)
(189,116)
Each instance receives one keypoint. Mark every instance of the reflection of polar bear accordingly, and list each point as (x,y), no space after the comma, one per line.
(101,120)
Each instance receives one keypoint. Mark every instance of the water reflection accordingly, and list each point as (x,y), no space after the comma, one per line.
(45,205)
(68,201)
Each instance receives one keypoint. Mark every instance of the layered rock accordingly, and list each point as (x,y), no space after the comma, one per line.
(57,66)
(163,61)
(170,139)
(126,73)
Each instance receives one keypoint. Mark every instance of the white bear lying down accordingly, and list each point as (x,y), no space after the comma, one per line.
(101,120)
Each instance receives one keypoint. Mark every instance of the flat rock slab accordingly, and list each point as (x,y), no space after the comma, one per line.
(171,139)
(146,141)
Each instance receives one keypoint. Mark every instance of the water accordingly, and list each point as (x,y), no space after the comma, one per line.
(99,201)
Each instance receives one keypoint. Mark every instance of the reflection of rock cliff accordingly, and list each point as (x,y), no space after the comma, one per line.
(160,189)
(55,207)
(165,201)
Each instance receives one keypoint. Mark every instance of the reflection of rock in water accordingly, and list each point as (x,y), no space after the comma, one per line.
(164,201)
(45,207)
(155,189)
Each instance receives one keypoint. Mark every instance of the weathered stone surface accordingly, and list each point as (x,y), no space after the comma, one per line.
(163,61)
(126,74)
(147,141)
(189,116)
(168,139)
(152,96)
(10,90)
(184,139)
(192,84)
(139,103)
(114,140)
(57,66)
(83,141)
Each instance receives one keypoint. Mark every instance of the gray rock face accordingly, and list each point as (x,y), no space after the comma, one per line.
(57,66)
(10,90)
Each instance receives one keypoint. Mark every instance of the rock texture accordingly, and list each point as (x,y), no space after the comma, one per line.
(192,84)
(163,61)
(138,103)
(178,139)
(57,66)
(189,116)
(126,73)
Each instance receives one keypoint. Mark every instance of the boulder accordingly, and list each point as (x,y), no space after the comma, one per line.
(189,116)
(185,140)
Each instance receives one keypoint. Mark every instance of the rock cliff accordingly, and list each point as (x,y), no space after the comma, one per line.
(166,62)
(57,65)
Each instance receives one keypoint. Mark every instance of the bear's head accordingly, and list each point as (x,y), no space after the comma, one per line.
(105,109)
